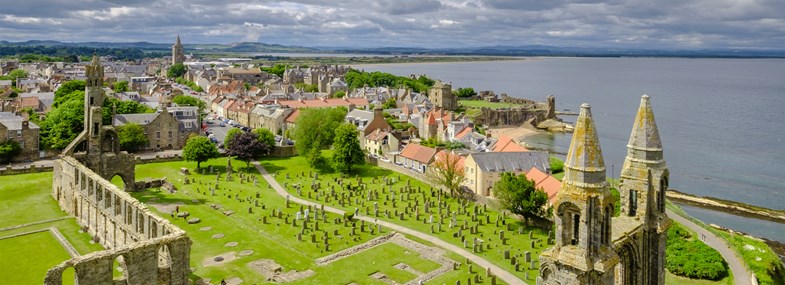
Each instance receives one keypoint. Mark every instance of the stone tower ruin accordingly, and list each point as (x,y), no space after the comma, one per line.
(592,246)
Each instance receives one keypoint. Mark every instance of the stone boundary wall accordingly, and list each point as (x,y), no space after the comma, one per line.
(283,151)
(9,170)
(509,116)
(149,248)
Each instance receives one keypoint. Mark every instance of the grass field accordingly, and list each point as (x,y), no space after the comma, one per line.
(488,232)
(25,199)
(485,104)
(275,240)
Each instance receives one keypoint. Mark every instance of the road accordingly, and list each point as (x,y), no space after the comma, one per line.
(740,274)
(500,273)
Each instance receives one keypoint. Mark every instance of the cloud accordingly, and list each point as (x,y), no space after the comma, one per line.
(420,23)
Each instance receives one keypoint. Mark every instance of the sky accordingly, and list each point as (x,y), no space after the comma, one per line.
(655,24)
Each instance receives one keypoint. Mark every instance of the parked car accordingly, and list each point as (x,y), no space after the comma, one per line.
(222,124)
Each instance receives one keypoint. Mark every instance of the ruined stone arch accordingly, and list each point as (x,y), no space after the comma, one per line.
(570,216)
(629,263)
(120,270)
(127,178)
(69,273)
(164,257)
(662,191)
(110,142)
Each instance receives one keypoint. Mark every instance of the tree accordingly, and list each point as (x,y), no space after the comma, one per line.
(346,148)
(517,194)
(175,70)
(390,103)
(265,136)
(199,149)
(16,74)
(131,137)
(339,94)
(247,146)
(233,132)
(112,104)
(465,92)
(184,100)
(447,170)
(120,86)
(314,130)
(63,93)
(63,123)
(9,149)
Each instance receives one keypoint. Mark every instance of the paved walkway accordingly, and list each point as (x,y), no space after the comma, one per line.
(740,274)
(500,273)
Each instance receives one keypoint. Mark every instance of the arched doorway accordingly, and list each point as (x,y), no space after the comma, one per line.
(164,265)
(119,270)
(627,270)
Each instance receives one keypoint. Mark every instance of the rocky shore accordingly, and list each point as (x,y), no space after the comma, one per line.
(733,207)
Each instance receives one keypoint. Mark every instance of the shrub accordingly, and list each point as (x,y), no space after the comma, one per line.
(691,258)
(557,165)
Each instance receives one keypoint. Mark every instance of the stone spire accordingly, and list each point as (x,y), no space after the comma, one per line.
(585,167)
(178,40)
(645,140)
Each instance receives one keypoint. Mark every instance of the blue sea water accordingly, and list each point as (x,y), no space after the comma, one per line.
(722,121)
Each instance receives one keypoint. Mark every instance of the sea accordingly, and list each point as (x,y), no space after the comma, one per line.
(721,121)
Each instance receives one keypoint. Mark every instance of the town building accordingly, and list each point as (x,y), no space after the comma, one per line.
(178,57)
(441,96)
(484,169)
(416,157)
(22,131)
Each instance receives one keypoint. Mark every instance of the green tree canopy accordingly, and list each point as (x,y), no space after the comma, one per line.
(65,92)
(199,149)
(185,100)
(247,146)
(314,130)
(175,70)
(15,74)
(233,132)
(120,86)
(131,137)
(123,107)
(517,194)
(63,123)
(339,94)
(9,149)
(265,136)
(277,69)
(465,92)
(357,79)
(346,148)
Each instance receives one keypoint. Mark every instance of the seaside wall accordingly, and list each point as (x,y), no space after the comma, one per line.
(509,116)
(149,248)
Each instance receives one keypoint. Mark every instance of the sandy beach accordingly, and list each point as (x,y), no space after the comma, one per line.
(517,133)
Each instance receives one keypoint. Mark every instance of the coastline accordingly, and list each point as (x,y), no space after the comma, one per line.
(517,133)
(732,207)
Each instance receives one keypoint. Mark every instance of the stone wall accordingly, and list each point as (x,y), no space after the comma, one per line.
(149,248)
(509,116)
(283,151)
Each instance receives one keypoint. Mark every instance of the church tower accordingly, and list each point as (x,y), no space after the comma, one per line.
(93,104)
(644,181)
(582,253)
(177,52)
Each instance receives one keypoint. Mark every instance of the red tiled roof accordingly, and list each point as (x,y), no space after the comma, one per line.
(418,152)
(320,103)
(444,155)
(545,182)
(293,116)
(376,135)
(463,133)
(507,144)
(30,102)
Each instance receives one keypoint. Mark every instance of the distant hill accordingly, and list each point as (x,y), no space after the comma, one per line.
(528,50)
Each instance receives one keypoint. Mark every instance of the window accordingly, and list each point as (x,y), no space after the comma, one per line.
(158,135)
(633,203)
(576,219)
(170,134)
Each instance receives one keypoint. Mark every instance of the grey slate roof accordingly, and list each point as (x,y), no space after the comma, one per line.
(139,119)
(14,122)
(512,161)
(46,98)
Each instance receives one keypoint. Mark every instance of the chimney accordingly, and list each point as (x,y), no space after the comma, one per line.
(378,112)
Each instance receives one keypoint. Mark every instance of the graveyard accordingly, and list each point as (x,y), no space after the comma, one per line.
(386,195)
(243,231)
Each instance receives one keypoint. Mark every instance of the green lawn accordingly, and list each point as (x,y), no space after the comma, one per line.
(671,279)
(275,240)
(488,232)
(26,199)
(486,104)
(27,258)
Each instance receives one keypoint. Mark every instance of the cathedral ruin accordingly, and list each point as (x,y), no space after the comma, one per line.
(591,245)
(148,248)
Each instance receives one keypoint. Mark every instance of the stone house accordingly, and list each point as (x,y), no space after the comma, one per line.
(441,96)
(435,123)
(380,142)
(291,120)
(251,76)
(335,86)
(416,157)
(21,130)
(167,129)
(484,169)
(367,121)
(269,117)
